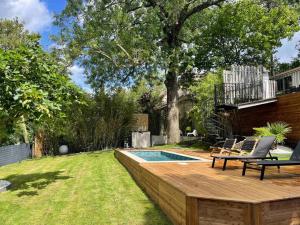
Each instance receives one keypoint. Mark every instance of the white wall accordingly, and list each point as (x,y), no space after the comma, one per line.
(141,139)
(159,140)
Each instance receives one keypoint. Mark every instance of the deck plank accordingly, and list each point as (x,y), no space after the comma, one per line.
(200,180)
(193,192)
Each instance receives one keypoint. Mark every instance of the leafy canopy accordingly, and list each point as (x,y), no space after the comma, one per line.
(122,41)
(30,83)
(13,34)
(203,92)
(245,32)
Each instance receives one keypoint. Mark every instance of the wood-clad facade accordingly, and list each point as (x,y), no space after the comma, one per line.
(286,108)
(252,99)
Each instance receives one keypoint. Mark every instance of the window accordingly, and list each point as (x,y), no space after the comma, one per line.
(284,83)
(280,85)
(288,82)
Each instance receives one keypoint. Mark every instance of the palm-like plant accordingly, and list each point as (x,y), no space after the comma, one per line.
(278,129)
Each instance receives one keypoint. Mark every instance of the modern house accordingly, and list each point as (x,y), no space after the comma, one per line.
(243,87)
(249,98)
(288,81)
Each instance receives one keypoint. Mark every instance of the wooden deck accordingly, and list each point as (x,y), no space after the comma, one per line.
(195,194)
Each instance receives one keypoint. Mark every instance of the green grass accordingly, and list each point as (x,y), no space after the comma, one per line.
(194,146)
(282,156)
(82,189)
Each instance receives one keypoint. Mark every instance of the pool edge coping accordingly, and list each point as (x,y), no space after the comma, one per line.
(141,160)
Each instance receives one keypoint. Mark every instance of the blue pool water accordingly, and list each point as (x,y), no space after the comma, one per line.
(161,156)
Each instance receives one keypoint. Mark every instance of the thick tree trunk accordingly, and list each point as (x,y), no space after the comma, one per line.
(38,144)
(173,132)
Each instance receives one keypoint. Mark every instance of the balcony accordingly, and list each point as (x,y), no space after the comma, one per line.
(230,96)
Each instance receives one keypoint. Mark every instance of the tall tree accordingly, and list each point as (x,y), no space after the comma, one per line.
(31,85)
(119,41)
(13,34)
(244,33)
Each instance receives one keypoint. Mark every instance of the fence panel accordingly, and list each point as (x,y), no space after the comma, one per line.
(14,153)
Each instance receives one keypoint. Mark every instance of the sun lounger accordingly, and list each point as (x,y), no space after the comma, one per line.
(260,152)
(227,146)
(293,161)
(243,147)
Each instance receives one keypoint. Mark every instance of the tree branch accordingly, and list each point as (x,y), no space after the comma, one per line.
(201,7)
(134,62)
(154,3)
(186,13)
(106,56)
(139,7)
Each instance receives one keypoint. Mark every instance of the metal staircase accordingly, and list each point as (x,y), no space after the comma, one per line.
(215,127)
(213,123)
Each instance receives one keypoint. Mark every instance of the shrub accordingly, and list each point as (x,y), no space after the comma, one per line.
(203,92)
(277,129)
(188,129)
(104,121)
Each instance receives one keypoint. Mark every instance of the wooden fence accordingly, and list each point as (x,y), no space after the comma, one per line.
(242,84)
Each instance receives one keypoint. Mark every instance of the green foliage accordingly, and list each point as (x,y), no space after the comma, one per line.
(13,34)
(126,40)
(188,129)
(203,91)
(280,130)
(30,84)
(120,42)
(147,95)
(104,121)
(9,130)
(244,32)
(262,131)
(277,129)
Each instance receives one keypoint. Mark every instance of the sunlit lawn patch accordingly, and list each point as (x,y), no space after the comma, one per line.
(83,189)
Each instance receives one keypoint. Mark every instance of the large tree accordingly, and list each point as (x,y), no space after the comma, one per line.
(31,85)
(13,34)
(119,41)
(244,33)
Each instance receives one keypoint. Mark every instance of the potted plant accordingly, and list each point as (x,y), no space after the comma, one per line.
(277,129)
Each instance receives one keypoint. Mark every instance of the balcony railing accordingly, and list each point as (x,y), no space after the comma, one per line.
(233,94)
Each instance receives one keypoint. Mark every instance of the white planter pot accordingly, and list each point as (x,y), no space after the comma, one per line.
(63,149)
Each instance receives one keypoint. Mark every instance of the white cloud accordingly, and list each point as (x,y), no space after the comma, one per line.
(288,50)
(34,13)
(54,45)
(78,77)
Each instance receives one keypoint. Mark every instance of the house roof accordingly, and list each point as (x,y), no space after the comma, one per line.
(286,73)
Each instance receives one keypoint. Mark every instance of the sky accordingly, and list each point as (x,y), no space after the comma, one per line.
(37,16)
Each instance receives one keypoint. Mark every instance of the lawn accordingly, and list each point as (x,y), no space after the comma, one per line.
(192,146)
(83,189)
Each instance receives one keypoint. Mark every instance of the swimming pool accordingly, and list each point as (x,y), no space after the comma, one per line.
(163,156)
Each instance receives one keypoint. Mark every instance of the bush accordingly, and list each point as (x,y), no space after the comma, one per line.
(203,91)
(103,121)
(277,129)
